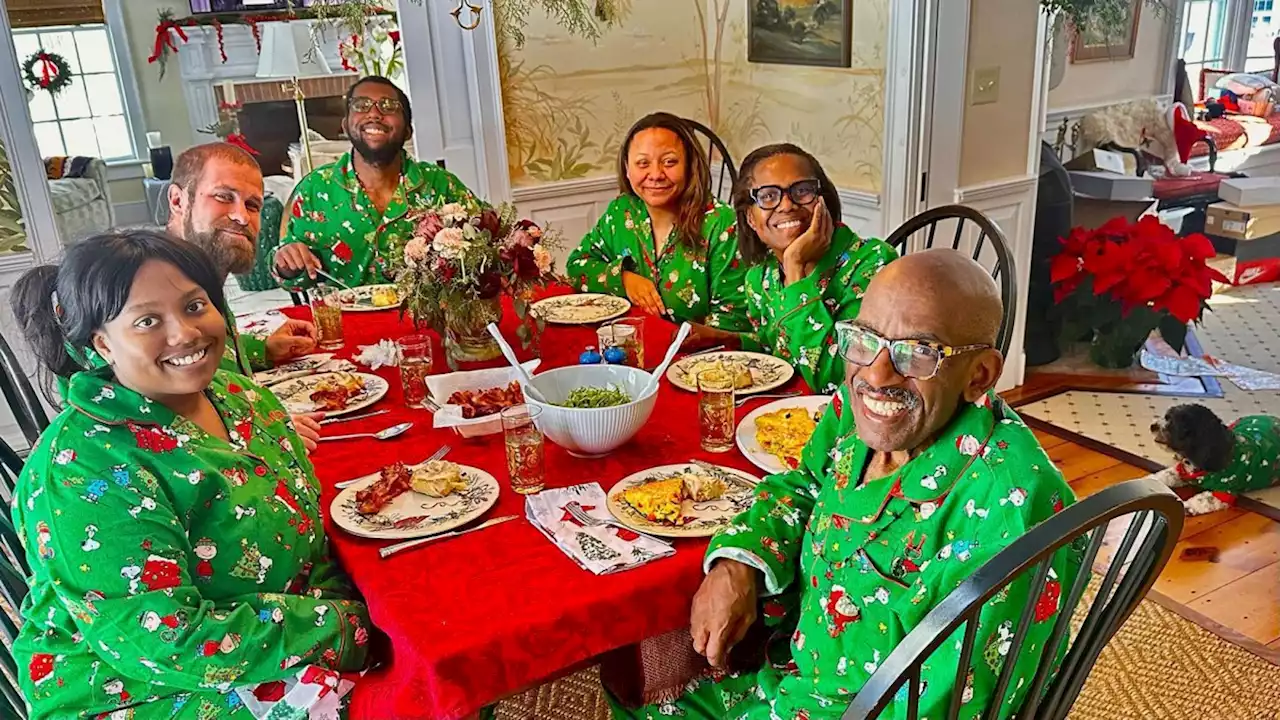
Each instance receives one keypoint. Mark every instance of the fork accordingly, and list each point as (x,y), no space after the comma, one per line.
(577,513)
(437,455)
(749,398)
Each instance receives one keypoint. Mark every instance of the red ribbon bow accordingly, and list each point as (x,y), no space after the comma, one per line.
(165,40)
(48,71)
(239,141)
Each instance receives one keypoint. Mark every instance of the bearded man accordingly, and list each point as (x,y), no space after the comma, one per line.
(916,475)
(348,217)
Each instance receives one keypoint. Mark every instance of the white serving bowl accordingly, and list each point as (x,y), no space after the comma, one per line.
(591,432)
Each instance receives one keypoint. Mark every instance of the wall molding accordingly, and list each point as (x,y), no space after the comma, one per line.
(1054,117)
(561,189)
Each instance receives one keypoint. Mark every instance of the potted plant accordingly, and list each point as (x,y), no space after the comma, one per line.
(1116,284)
(459,263)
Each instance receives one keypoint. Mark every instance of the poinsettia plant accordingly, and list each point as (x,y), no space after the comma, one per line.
(1118,283)
(459,262)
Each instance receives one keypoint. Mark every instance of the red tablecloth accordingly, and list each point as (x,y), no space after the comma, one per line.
(476,618)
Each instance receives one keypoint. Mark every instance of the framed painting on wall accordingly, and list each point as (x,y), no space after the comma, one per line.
(1118,43)
(800,32)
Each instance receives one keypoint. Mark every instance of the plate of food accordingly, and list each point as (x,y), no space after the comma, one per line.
(751,372)
(685,500)
(307,365)
(469,401)
(402,502)
(334,393)
(772,436)
(370,298)
(581,309)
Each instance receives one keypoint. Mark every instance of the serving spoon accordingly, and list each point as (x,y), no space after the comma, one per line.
(510,355)
(387,434)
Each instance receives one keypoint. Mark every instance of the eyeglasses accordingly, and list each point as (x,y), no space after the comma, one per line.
(918,359)
(802,192)
(387,106)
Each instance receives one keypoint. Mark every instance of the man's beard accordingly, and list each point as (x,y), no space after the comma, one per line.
(228,257)
(379,156)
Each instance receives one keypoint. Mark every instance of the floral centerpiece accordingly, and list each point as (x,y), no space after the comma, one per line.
(1116,284)
(458,264)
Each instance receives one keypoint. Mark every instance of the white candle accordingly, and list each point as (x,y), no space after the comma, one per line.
(229,92)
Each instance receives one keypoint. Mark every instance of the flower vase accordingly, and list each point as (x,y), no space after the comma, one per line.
(467,339)
(1117,347)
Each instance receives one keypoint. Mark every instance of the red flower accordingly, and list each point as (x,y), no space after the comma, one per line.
(395,37)
(342,251)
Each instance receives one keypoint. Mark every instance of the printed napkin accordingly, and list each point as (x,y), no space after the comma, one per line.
(260,324)
(603,549)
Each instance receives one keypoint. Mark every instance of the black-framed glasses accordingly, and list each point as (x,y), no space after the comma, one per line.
(918,359)
(387,106)
(802,192)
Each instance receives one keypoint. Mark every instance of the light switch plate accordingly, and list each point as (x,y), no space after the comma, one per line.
(985,87)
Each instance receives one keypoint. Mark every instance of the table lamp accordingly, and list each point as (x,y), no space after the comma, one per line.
(287,52)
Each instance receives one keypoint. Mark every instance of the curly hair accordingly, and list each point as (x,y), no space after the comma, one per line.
(1197,434)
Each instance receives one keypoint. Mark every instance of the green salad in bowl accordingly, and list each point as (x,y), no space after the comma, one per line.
(596,397)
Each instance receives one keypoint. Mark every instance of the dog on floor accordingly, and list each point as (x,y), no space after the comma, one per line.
(1220,460)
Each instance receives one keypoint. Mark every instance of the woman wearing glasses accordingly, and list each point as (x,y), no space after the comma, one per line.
(807,270)
(666,243)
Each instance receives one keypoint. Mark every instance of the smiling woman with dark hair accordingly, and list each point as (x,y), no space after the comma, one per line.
(169,514)
(808,270)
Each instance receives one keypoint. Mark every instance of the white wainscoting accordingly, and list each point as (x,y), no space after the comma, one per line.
(570,206)
(1011,205)
(861,211)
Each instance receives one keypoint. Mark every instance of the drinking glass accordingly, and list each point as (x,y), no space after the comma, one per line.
(415,366)
(326,309)
(716,411)
(524,443)
(628,334)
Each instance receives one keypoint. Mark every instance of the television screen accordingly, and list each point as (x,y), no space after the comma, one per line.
(199,7)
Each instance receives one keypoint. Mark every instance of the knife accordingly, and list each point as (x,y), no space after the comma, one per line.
(390,550)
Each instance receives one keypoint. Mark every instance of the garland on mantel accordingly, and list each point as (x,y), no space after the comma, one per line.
(171,29)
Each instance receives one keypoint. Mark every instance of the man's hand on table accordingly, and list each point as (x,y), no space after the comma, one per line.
(296,258)
(724,609)
(308,427)
(293,339)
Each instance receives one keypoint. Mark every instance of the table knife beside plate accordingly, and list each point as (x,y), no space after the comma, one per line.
(390,550)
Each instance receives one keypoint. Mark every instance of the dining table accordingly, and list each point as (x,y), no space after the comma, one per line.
(479,617)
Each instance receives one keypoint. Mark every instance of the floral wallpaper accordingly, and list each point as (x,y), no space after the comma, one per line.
(13,234)
(568,102)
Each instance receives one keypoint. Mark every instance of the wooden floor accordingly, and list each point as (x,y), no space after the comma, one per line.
(1240,591)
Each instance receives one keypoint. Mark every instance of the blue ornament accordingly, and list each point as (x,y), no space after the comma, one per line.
(589,356)
(615,355)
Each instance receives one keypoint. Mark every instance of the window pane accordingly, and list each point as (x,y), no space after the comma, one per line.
(104,93)
(63,44)
(1260,64)
(95,50)
(72,102)
(113,137)
(41,106)
(80,138)
(24,44)
(1203,35)
(48,139)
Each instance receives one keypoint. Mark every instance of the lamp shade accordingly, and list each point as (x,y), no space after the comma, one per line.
(287,52)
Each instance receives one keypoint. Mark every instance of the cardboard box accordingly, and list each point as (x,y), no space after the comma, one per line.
(1242,223)
(1248,261)
(1250,192)
(1110,186)
(1092,213)
(1105,160)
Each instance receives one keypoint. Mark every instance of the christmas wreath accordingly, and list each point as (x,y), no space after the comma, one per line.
(54,73)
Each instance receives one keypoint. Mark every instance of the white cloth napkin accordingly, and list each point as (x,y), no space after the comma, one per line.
(385,354)
(601,550)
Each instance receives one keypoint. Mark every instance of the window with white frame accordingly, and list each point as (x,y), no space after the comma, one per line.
(89,116)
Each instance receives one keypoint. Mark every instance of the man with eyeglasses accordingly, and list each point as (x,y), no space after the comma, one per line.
(349,216)
(916,475)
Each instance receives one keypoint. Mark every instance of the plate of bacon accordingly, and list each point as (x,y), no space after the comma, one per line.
(402,502)
(471,400)
(333,393)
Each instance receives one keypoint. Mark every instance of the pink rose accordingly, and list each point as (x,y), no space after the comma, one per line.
(416,250)
(429,225)
(522,238)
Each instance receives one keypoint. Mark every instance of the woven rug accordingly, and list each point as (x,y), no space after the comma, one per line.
(1160,665)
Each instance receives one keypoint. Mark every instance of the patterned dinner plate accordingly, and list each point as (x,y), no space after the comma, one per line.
(767,372)
(361,299)
(701,519)
(748,438)
(295,394)
(414,515)
(581,309)
(301,367)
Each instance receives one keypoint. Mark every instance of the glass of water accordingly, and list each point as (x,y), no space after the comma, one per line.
(524,443)
(716,411)
(415,366)
(326,309)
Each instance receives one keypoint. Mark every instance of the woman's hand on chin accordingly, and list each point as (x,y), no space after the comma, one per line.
(800,257)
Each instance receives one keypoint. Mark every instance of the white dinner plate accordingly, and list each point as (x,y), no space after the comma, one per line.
(414,515)
(295,394)
(700,519)
(581,309)
(767,372)
(746,433)
(360,299)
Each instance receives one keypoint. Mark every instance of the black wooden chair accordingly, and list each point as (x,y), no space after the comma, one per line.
(1001,266)
(1155,516)
(717,154)
(13,588)
(23,401)
(10,469)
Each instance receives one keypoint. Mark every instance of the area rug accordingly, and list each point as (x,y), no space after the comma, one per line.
(1160,665)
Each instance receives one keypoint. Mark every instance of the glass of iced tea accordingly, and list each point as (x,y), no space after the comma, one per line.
(415,366)
(524,448)
(628,334)
(716,411)
(326,309)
